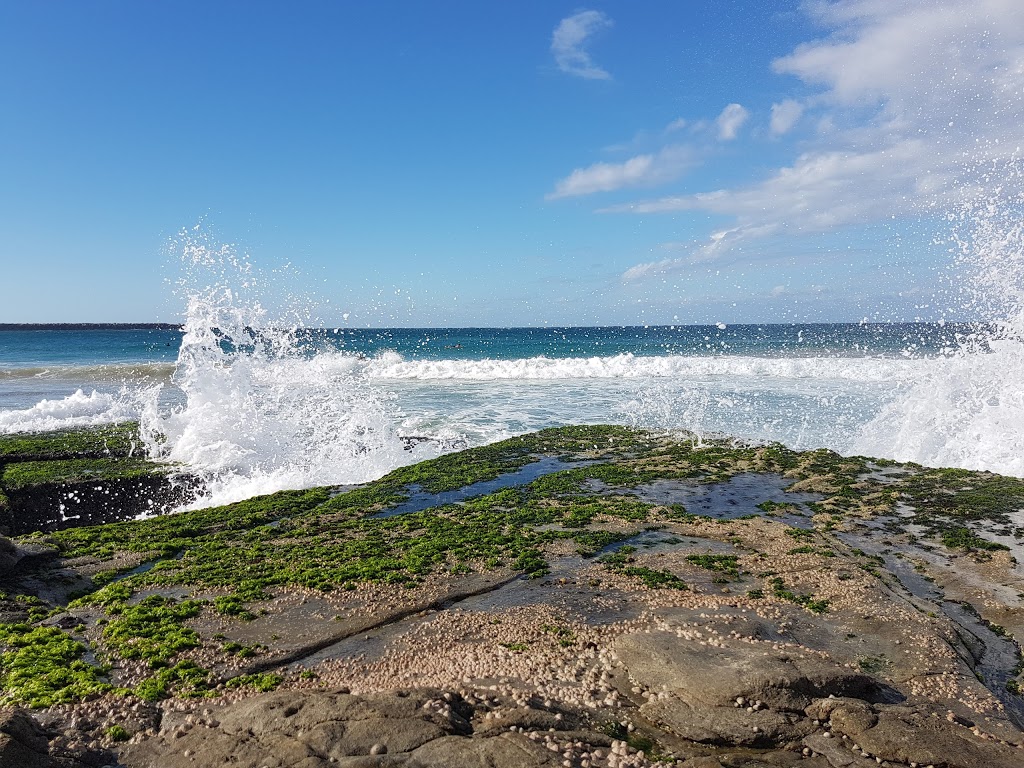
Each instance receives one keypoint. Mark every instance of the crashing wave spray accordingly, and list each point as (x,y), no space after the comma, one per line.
(260,415)
(970,411)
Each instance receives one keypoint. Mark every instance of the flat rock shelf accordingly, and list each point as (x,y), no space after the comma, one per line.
(585,597)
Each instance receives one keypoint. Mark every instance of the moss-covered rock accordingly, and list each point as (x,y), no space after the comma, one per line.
(55,480)
(85,442)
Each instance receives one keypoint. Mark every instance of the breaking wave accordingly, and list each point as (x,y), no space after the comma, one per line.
(256,410)
(969,412)
(75,410)
(391,366)
(257,414)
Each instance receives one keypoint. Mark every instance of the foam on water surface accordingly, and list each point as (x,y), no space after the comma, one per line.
(391,366)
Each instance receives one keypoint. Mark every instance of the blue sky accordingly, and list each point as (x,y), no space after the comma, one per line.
(529,163)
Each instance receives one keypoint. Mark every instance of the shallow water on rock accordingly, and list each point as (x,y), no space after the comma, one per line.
(148,565)
(736,497)
(420,500)
(657,542)
(995,661)
(1010,535)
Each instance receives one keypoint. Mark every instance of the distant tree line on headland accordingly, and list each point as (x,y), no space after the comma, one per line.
(90,326)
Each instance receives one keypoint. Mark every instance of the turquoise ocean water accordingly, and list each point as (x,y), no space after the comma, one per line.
(262,410)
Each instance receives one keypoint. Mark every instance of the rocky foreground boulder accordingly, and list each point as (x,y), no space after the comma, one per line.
(586,597)
(419,728)
(22,740)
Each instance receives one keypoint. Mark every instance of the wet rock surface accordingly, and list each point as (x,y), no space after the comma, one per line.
(823,612)
(56,506)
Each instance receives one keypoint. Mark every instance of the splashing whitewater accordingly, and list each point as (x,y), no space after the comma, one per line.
(970,412)
(259,414)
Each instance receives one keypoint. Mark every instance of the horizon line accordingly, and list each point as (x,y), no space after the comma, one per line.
(719,326)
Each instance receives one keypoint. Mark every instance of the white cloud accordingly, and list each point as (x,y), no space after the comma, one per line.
(785,115)
(604,177)
(915,98)
(897,52)
(646,269)
(642,170)
(569,40)
(730,121)
(646,140)
(698,253)
(676,125)
(821,190)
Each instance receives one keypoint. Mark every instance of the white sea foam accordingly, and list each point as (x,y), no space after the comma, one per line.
(969,413)
(75,410)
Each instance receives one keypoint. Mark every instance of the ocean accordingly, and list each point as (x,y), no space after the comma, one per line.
(260,410)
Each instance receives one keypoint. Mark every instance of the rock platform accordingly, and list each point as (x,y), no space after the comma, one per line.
(640,599)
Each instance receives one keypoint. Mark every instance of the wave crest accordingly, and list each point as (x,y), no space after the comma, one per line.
(75,410)
(391,366)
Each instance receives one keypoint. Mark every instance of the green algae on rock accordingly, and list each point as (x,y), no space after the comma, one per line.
(85,442)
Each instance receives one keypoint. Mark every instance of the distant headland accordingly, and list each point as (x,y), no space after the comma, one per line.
(90,326)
